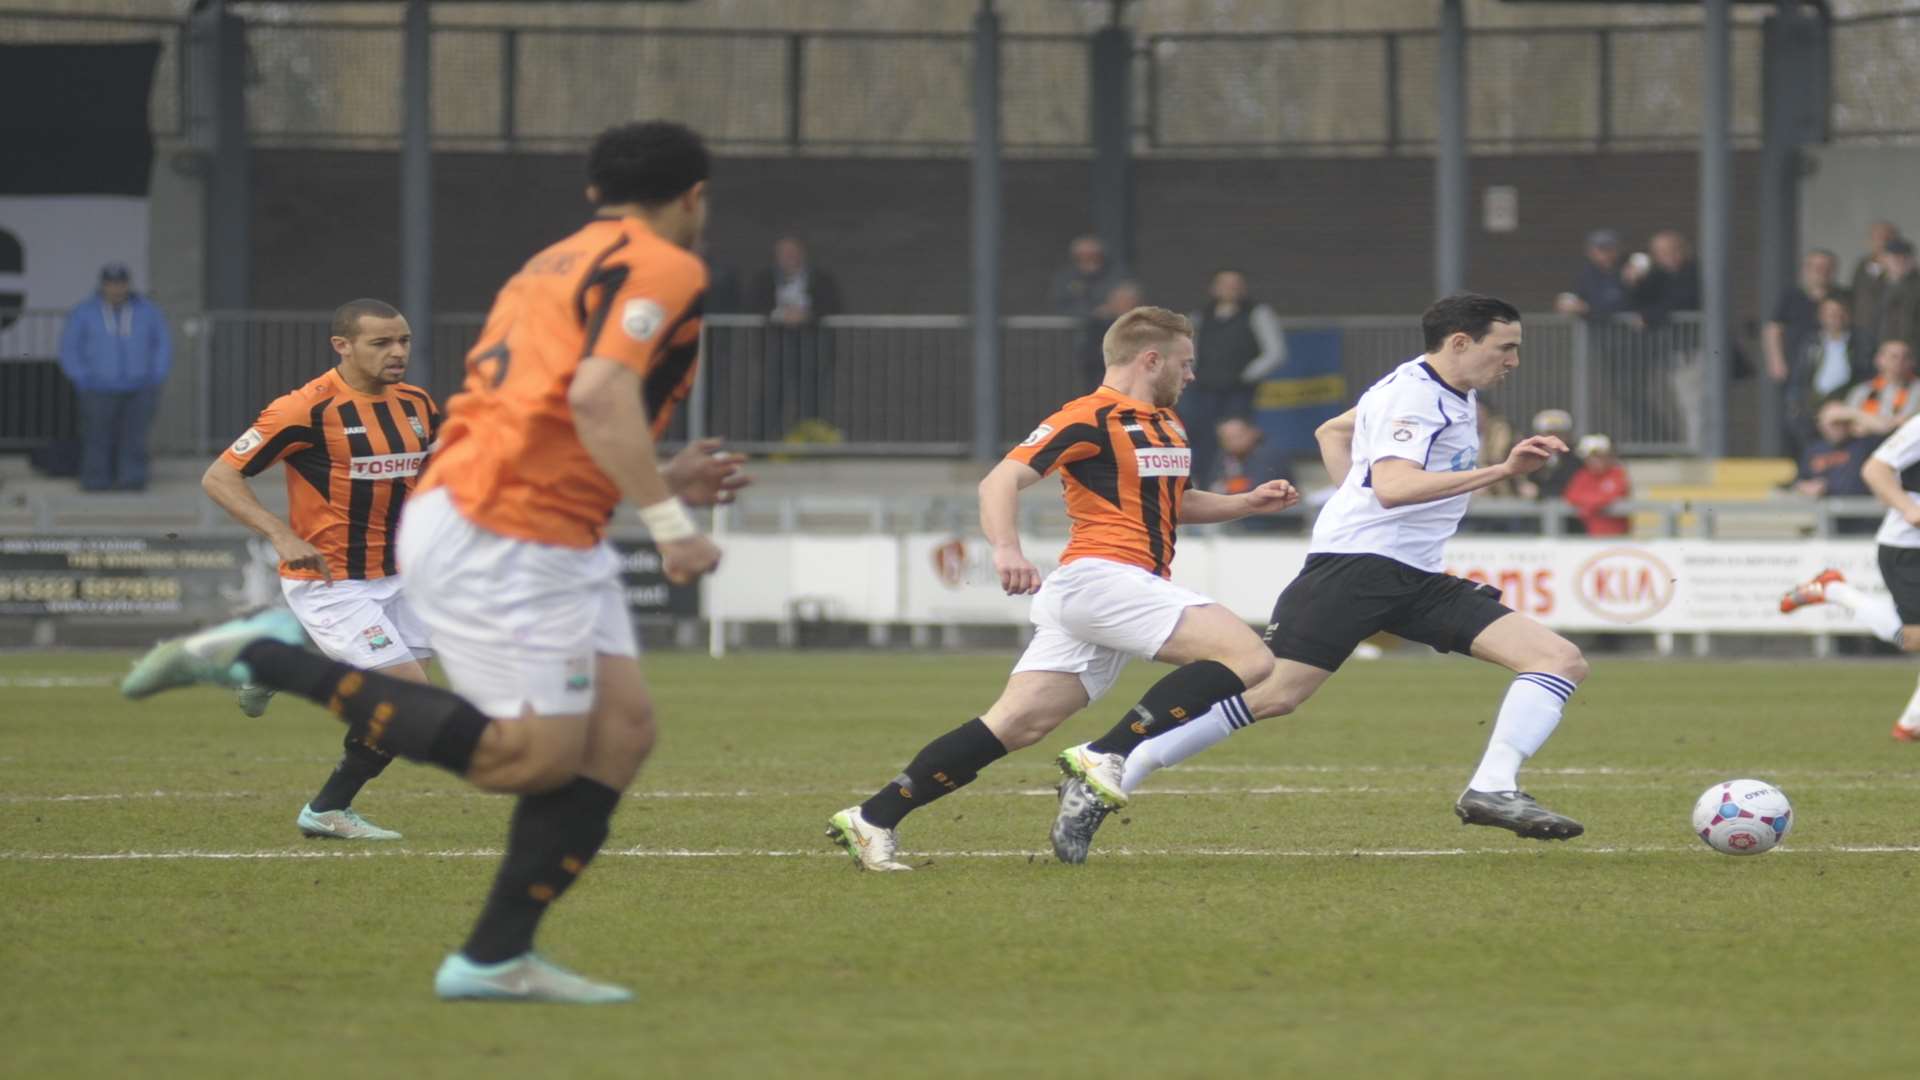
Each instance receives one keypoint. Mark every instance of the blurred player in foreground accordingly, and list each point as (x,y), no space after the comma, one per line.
(587,350)
(1404,459)
(1124,463)
(353,441)
(1893,475)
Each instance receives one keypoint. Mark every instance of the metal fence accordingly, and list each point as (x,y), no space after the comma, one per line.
(867,385)
(500,87)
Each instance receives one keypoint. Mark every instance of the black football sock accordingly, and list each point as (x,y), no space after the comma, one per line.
(396,716)
(942,767)
(1185,693)
(552,838)
(359,763)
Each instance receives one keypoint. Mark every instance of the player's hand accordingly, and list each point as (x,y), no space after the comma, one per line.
(702,474)
(1017,576)
(1912,516)
(1272,497)
(685,560)
(1532,453)
(300,555)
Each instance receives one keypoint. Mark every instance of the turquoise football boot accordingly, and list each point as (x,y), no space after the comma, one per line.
(211,655)
(524,978)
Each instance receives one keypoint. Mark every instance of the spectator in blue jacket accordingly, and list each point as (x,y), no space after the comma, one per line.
(116,351)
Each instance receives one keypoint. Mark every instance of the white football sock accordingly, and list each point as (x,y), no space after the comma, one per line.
(1876,613)
(1528,715)
(1911,718)
(1185,741)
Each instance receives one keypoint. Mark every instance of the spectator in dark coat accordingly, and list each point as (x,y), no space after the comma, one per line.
(1829,361)
(1830,465)
(116,351)
(1551,482)
(1664,281)
(1867,271)
(1598,293)
(1244,462)
(1090,359)
(1890,309)
(795,295)
(1083,284)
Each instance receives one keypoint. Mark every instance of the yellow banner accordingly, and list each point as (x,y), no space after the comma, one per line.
(1301,393)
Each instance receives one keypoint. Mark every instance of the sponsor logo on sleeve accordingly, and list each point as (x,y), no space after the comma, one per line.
(1039,435)
(386,466)
(247,443)
(1163,460)
(1402,430)
(642,319)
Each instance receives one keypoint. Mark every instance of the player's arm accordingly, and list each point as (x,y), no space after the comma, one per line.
(229,490)
(1336,446)
(1400,482)
(611,423)
(1206,507)
(1884,481)
(1000,522)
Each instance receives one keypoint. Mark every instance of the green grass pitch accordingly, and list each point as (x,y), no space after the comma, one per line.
(1298,902)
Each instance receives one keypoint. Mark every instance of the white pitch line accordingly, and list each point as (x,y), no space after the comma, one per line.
(693,853)
(55,682)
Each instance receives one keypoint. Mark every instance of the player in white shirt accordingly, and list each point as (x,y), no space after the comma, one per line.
(1893,474)
(1404,459)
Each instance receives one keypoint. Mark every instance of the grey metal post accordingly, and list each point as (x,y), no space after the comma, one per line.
(1581,377)
(218,124)
(1110,102)
(416,185)
(986,232)
(1450,155)
(1716,218)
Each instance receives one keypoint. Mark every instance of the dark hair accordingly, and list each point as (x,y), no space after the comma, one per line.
(346,317)
(647,163)
(1464,313)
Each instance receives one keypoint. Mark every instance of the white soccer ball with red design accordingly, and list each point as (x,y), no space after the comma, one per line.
(1742,817)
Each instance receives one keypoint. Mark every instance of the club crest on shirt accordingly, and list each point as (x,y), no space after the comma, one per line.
(1174,426)
(246,443)
(1039,435)
(1402,430)
(418,428)
(641,319)
(376,637)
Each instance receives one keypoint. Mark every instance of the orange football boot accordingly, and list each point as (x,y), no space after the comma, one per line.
(1810,592)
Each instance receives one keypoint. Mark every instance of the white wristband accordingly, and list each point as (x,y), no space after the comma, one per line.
(667,520)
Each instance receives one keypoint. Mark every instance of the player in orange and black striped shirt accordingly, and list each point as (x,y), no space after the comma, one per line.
(1123,462)
(353,442)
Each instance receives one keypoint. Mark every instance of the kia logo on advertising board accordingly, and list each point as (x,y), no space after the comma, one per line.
(1625,585)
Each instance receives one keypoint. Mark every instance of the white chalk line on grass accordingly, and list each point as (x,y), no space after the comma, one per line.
(56,682)
(749,853)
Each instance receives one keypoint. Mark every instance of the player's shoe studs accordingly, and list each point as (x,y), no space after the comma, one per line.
(1808,593)
(1516,812)
(253,698)
(1100,772)
(524,978)
(871,846)
(343,824)
(1081,813)
(211,655)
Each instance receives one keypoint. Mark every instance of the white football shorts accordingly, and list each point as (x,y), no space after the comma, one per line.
(368,624)
(517,624)
(1093,615)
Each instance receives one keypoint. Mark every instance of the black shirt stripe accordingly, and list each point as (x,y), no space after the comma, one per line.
(1150,490)
(396,487)
(360,497)
(314,464)
(1172,485)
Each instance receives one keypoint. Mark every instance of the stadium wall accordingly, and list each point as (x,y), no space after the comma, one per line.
(1318,236)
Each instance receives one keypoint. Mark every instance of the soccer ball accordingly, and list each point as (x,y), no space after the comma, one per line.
(1742,817)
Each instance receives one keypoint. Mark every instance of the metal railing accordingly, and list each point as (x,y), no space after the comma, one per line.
(861,385)
(545,87)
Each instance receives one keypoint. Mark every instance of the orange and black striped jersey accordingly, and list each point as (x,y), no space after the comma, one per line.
(1123,470)
(510,457)
(351,460)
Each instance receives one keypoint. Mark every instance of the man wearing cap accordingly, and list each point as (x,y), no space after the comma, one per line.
(1598,293)
(1891,310)
(1551,481)
(116,351)
(1600,483)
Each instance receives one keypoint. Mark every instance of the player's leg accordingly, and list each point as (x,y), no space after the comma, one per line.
(330,813)
(1547,670)
(1218,658)
(1286,689)
(1034,702)
(1893,618)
